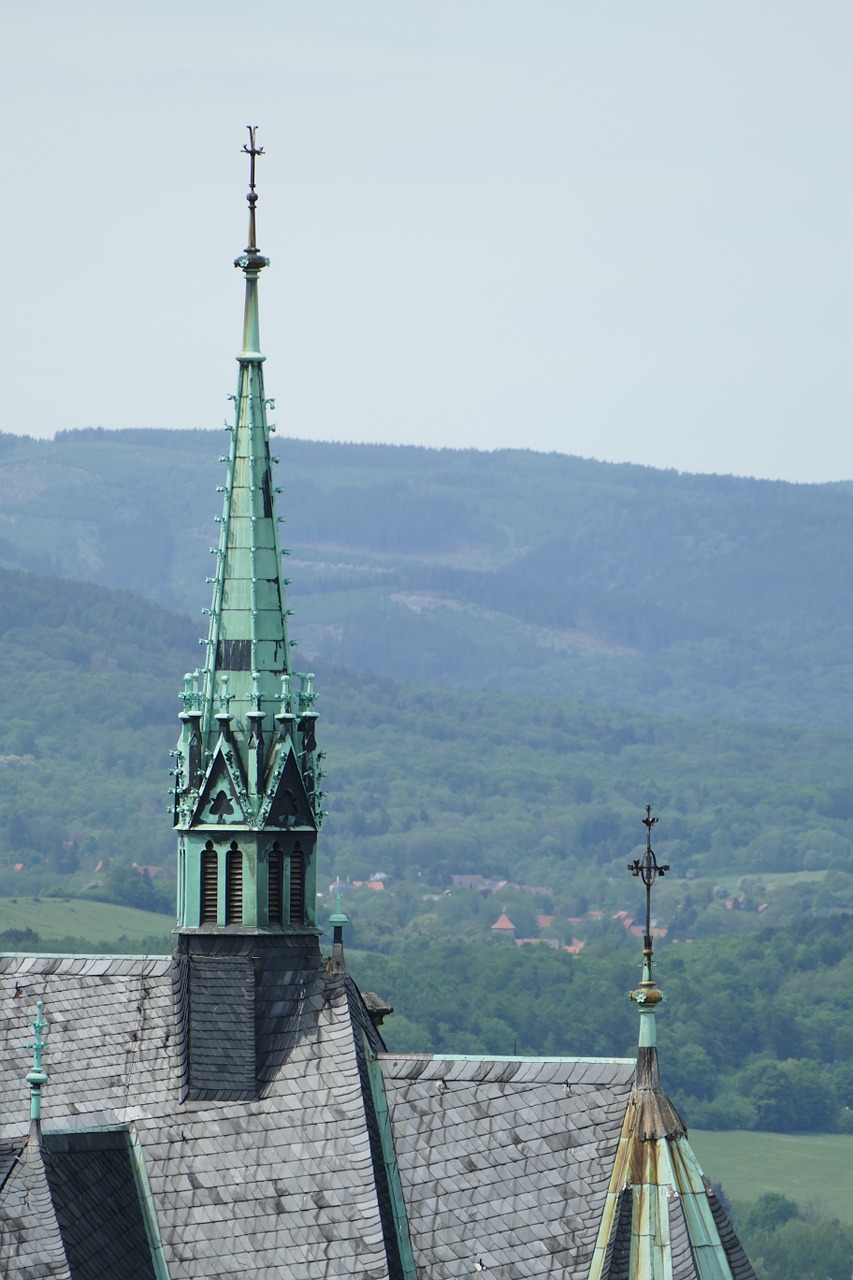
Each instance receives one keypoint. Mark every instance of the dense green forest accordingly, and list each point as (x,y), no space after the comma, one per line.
(756,1032)
(424,784)
(785,1243)
(706,596)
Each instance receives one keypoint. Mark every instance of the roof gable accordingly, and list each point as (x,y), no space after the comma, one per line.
(223,799)
(286,803)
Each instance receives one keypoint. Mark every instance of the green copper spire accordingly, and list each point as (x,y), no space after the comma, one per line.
(38,1076)
(247,649)
(247,796)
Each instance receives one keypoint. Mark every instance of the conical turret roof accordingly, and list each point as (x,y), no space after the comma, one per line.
(247,651)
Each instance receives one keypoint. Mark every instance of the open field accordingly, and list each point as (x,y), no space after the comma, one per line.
(731,879)
(91,922)
(813,1169)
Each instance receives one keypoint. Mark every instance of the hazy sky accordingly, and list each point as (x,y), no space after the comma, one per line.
(615,229)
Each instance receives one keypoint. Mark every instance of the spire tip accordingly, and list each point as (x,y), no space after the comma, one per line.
(252,151)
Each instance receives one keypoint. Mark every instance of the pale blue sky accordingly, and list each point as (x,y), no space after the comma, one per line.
(615,229)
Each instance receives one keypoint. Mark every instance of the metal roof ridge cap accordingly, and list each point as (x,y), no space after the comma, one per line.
(84,955)
(500,1057)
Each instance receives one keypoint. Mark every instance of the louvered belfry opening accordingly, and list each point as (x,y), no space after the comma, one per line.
(208,884)
(297,885)
(234,886)
(275,882)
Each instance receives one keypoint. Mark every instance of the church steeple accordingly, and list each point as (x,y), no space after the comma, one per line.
(662,1218)
(247,799)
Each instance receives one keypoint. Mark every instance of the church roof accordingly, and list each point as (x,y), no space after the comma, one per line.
(347,1162)
(505,1162)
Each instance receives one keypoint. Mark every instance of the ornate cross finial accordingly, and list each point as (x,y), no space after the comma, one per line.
(647,995)
(648,868)
(252,152)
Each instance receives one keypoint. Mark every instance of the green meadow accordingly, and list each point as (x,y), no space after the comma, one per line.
(96,924)
(813,1169)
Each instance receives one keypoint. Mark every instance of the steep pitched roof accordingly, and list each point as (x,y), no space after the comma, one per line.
(505,1162)
(283,1185)
(349,1162)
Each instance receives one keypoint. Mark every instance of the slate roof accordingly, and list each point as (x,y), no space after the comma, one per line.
(331,1158)
(504,1160)
(282,1185)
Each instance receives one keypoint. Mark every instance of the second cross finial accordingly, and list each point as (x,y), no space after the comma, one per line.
(252,151)
(648,868)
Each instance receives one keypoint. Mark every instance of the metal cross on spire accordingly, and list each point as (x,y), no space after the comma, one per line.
(252,196)
(648,869)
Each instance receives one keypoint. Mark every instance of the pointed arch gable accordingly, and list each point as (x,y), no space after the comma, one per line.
(223,799)
(286,804)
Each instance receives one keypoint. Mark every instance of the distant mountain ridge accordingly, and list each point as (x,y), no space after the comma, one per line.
(699,595)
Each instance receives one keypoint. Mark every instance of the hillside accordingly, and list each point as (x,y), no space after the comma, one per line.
(423,784)
(541,797)
(703,596)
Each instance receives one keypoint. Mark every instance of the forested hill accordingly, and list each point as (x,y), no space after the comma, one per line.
(423,784)
(695,595)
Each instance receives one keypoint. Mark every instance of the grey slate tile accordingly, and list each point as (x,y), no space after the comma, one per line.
(488,1151)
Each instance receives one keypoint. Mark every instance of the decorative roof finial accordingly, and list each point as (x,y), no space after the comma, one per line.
(251,263)
(648,869)
(252,196)
(38,1076)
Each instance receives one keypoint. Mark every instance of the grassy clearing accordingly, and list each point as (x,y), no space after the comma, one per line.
(813,1169)
(731,879)
(93,922)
